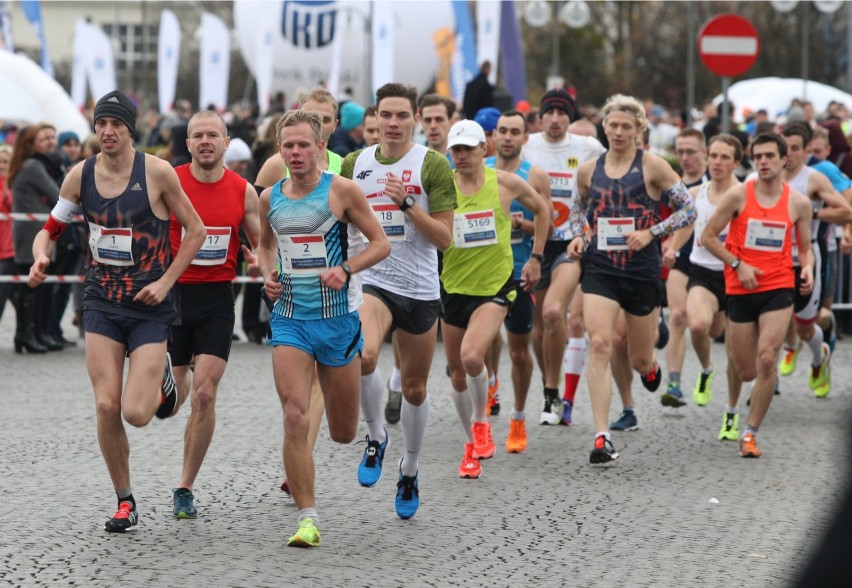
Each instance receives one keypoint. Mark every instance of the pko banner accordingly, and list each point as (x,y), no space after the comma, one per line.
(304,33)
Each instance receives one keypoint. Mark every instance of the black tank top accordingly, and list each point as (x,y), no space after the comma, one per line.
(133,250)
(622,198)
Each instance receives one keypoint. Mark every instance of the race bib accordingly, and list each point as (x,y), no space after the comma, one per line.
(392,220)
(474,229)
(765,235)
(517,234)
(111,246)
(214,251)
(612,233)
(302,254)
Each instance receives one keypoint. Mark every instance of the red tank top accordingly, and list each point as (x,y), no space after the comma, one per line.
(221,206)
(762,237)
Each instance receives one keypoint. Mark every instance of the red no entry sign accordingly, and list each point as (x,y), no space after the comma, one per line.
(728,45)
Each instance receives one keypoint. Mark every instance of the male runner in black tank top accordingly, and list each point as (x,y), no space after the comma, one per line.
(126,197)
(619,195)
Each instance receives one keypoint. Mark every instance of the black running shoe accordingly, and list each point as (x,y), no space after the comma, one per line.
(168,392)
(652,379)
(662,333)
(603,452)
(124,520)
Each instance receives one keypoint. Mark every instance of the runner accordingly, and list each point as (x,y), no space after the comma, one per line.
(760,281)
(225,202)
(691,154)
(315,326)
(410,190)
(435,114)
(706,302)
(477,284)
(829,206)
(560,153)
(321,101)
(819,149)
(620,193)
(272,172)
(126,198)
(510,136)
(372,136)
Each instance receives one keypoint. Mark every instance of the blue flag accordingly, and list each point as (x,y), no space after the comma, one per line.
(463,68)
(512,53)
(32,9)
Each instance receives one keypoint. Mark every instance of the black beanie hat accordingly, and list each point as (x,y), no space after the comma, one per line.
(117,105)
(559,99)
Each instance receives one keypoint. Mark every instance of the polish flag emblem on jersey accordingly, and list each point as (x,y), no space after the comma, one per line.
(406,175)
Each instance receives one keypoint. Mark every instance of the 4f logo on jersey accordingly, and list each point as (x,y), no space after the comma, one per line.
(573,162)
(406,175)
(363,175)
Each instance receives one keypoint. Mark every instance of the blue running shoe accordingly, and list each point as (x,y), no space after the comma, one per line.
(673,396)
(370,468)
(567,407)
(407,495)
(626,422)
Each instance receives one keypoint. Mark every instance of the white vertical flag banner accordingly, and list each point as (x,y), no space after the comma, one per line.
(168,59)
(6,42)
(264,67)
(215,62)
(488,35)
(78,64)
(383,43)
(336,61)
(98,60)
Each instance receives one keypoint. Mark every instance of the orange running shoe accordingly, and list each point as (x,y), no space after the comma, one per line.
(516,442)
(493,406)
(469,467)
(748,446)
(483,441)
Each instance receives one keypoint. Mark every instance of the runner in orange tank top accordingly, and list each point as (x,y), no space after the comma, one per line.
(760,283)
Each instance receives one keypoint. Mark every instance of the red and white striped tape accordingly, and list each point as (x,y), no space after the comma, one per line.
(22,279)
(33,216)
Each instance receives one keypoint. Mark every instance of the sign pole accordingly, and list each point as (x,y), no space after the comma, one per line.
(726,106)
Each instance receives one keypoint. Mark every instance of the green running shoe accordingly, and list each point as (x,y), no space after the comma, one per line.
(703,389)
(821,374)
(788,360)
(308,534)
(730,427)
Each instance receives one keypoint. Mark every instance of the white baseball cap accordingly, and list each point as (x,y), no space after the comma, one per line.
(466,132)
(238,150)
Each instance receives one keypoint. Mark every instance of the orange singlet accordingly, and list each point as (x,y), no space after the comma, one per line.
(762,238)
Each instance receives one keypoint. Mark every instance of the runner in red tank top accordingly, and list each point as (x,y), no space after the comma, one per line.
(225,202)
(760,282)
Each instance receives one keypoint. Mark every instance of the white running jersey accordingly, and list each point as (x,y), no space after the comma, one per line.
(800,184)
(704,210)
(411,269)
(560,161)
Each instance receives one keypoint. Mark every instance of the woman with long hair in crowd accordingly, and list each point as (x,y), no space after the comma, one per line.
(33,191)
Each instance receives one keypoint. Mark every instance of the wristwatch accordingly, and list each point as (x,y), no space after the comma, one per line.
(347,270)
(735,263)
(407,203)
(537,256)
